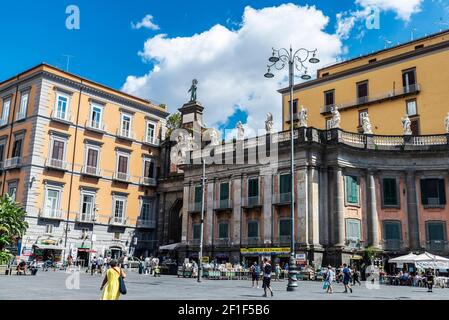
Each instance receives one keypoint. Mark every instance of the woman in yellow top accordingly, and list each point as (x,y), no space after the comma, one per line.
(111,282)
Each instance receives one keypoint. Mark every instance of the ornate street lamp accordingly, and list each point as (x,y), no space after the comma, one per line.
(279,59)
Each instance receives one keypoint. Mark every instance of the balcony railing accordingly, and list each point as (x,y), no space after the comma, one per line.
(436,246)
(222,242)
(12,163)
(3,122)
(50,213)
(20,115)
(283,240)
(152,141)
(392,244)
(193,242)
(283,198)
(56,164)
(411,89)
(125,134)
(195,207)
(250,202)
(251,241)
(59,115)
(223,204)
(85,217)
(91,171)
(95,126)
(117,221)
(146,181)
(121,176)
(146,223)
(353,243)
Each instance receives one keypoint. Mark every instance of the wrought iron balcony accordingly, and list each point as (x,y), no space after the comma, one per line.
(222,242)
(282,198)
(151,141)
(12,163)
(251,241)
(85,217)
(283,240)
(95,126)
(146,223)
(223,204)
(51,213)
(118,221)
(20,115)
(125,134)
(251,202)
(56,164)
(121,176)
(437,246)
(392,245)
(146,181)
(91,171)
(3,122)
(195,207)
(193,242)
(61,116)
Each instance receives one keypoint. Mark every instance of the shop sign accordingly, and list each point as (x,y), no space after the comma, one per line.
(300,257)
(264,251)
(205,259)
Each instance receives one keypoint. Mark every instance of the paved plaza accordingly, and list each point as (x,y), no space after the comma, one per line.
(52,286)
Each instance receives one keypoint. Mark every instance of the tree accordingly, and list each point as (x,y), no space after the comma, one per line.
(173,122)
(371,253)
(12,225)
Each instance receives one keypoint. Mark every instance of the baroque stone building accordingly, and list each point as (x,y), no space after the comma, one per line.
(352,191)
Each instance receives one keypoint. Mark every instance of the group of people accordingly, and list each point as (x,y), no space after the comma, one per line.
(348,275)
(149,265)
(415,279)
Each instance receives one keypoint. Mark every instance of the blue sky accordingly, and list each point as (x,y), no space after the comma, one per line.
(106,47)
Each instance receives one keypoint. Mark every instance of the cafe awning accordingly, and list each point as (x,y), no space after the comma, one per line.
(170,247)
(48,247)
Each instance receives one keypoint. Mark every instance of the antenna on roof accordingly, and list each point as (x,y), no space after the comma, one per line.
(412,34)
(68,56)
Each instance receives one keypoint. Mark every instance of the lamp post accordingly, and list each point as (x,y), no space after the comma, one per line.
(200,254)
(279,59)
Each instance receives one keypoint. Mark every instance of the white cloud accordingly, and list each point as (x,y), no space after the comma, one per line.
(147,22)
(403,8)
(230,64)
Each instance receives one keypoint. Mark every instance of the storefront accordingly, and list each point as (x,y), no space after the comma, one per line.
(221,257)
(48,249)
(276,255)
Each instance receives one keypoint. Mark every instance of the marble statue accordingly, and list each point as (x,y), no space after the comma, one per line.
(193,90)
(269,123)
(406,125)
(336,119)
(446,122)
(366,125)
(214,137)
(240,131)
(303,117)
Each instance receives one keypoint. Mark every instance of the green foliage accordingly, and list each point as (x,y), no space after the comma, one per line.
(163,106)
(371,253)
(173,122)
(12,225)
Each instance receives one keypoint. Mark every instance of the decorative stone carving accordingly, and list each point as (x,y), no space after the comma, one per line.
(269,123)
(336,119)
(192,90)
(303,117)
(366,125)
(178,151)
(446,122)
(406,125)
(213,135)
(240,131)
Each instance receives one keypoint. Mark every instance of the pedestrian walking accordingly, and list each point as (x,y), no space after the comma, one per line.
(93,265)
(267,268)
(328,280)
(277,272)
(110,285)
(346,272)
(355,276)
(255,274)
(100,264)
(429,278)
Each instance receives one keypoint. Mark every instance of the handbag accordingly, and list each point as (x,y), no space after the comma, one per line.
(121,282)
(325,284)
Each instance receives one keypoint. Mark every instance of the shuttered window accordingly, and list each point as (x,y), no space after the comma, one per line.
(224,191)
(253,187)
(223,230)
(436,230)
(352,190)
(253,229)
(196,231)
(285,183)
(198,194)
(433,192)
(285,227)
(392,230)
(353,229)
(390,192)
(58,150)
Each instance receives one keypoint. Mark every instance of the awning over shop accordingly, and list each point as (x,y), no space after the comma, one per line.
(409,258)
(170,247)
(48,247)
(86,250)
(356,257)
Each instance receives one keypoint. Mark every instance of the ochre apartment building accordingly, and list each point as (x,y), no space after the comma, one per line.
(406,79)
(81,158)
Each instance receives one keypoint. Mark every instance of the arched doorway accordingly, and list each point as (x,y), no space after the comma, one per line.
(175,222)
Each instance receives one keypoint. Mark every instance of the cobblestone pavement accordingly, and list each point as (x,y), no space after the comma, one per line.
(52,285)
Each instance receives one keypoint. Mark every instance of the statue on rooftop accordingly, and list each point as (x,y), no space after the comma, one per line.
(406,125)
(366,125)
(193,90)
(269,123)
(336,119)
(303,117)
(240,131)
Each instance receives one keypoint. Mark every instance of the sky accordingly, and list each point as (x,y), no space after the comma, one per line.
(153,48)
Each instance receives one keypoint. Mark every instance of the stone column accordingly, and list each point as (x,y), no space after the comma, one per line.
(267,207)
(373,218)
(313,207)
(302,206)
(237,204)
(323,207)
(185,208)
(339,227)
(412,211)
(208,227)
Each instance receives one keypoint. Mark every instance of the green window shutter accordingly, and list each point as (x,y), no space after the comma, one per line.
(285,228)
(424,192)
(353,229)
(253,229)
(352,190)
(223,230)
(253,187)
(390,191)
(224,191)
(441,192)
(392,230)
(198,194)
(196,231)
(285,183)
(435,231)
